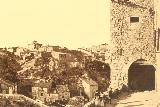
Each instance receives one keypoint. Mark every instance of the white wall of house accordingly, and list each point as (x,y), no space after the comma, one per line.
(74,64)
(86,87)
(10,90)
(52,97)
(45,90)
(10,49)
(55,54)
(89,89)
(93,89)
(19,51)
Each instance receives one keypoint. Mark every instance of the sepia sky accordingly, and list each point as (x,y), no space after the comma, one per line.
(70,23)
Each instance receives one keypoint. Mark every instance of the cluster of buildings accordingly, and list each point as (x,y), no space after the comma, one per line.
(96,52)
(46,92)
(36,50)
(133,38)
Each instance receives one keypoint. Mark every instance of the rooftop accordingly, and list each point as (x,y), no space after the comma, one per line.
(89,81)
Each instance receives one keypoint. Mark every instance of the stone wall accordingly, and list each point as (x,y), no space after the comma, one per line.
(21,98)
(130,41)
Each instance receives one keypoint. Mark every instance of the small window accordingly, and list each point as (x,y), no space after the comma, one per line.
(134,19)
(41,94)
(121,51)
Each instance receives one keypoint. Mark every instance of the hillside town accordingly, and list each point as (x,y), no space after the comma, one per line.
(53,75)
(123,73)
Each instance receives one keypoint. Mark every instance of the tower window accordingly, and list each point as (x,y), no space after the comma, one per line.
(120,51)
(134,19)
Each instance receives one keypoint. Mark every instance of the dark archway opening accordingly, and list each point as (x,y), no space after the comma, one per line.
(141,76)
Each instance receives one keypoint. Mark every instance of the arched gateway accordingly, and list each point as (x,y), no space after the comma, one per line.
(132,39)
(141,76)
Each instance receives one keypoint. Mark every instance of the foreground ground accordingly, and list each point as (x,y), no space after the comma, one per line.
(141,99)
(135,99)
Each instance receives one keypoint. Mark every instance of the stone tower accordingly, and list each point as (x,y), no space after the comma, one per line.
(132,37)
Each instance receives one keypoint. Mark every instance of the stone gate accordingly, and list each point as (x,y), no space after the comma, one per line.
(132,31)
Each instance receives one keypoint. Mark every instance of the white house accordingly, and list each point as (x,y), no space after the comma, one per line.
(89,86)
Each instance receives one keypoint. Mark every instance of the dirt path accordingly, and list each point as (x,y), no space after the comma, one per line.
(141,99)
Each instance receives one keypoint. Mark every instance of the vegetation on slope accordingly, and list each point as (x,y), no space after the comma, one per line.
(9,66)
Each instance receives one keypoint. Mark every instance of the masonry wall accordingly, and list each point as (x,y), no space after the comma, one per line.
(130,41)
